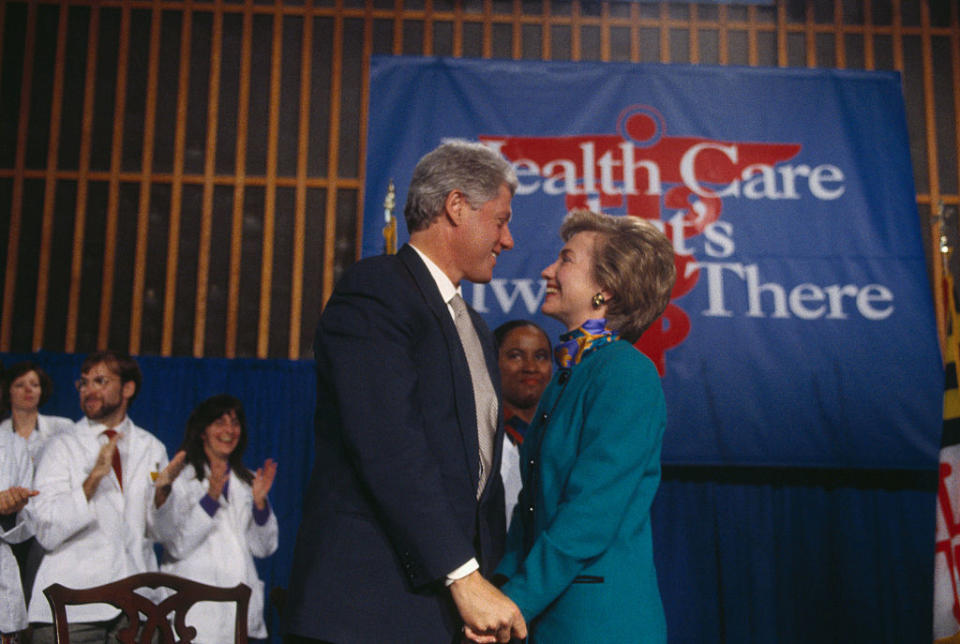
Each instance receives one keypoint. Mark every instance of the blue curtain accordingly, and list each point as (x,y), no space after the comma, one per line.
(795,555)
(743,554)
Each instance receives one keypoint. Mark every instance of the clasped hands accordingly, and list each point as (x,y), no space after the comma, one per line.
(101,466)
(488,615)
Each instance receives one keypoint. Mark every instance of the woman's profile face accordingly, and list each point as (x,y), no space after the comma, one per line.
(570,283)
(25,392)
(222,436)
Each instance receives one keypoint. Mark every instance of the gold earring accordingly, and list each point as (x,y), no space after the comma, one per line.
(598,300)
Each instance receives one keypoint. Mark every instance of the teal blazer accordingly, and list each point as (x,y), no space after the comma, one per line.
(579,552)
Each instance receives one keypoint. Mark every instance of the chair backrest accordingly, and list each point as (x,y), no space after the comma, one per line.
(121,593)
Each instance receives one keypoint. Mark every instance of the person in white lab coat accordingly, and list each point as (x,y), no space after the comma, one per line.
(27,387)
(217,518)
(91,513)
(16,474)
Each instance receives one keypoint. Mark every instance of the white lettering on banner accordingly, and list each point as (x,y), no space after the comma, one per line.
(718,236)
(526,168)
(505,298)
(764,299)
(711,171)
(756,181)
(630,178)
(761,181)
(718,239)
(805,301)
(563,182)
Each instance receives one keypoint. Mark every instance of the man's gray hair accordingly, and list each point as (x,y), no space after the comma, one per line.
(472,168)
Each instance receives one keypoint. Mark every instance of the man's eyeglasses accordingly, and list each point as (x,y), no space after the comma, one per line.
(93,383)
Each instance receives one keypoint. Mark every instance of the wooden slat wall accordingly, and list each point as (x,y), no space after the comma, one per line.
(316,169)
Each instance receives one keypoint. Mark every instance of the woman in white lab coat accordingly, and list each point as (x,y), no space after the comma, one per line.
(26,387)
(217,517)
(16,474)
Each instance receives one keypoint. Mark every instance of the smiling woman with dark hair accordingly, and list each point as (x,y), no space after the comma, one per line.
(217,517)
(525,360)
(198,441)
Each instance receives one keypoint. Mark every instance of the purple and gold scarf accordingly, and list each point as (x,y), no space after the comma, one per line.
(575,345)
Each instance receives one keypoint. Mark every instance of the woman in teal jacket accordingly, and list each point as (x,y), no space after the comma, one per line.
(579,558)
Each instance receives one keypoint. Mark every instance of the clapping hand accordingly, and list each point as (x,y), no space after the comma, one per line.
(102,466)
(167,476)
(262,482)
(105,456)
(218,478)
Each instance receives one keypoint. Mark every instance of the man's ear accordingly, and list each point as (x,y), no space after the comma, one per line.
(129,388)
(453,207)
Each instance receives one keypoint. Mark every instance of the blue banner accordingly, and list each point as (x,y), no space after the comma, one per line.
(801,330)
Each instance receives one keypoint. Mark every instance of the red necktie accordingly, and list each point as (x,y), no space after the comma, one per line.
(117,469)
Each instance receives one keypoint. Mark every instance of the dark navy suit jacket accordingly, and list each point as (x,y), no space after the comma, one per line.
(391,507)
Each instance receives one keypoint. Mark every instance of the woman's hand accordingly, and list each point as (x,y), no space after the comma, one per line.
(486,611)
(470,635)
(218,478)
(262,482)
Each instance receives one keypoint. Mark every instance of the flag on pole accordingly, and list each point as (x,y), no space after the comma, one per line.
(946,596)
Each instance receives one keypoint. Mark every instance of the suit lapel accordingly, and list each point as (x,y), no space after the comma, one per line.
(460,370)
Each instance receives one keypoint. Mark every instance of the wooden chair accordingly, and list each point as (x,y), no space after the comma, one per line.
(121,594)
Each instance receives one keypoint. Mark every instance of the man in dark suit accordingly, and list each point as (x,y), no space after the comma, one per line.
(404,511)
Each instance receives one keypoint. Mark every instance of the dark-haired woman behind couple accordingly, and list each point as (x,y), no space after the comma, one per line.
(579,560)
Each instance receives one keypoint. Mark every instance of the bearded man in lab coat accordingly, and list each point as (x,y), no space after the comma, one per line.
(93,515)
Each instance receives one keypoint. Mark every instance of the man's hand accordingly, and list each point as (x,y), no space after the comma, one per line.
(102,467)
(14,499)
(488,614)
(165,479)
